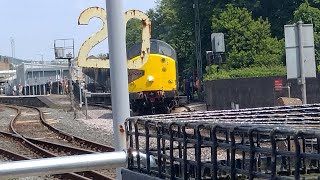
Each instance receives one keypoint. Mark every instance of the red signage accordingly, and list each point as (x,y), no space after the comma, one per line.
(278,84)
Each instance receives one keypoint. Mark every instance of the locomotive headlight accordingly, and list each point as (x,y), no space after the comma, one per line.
(150,78)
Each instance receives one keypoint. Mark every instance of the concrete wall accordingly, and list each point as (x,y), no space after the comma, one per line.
(255,92)
(34,74)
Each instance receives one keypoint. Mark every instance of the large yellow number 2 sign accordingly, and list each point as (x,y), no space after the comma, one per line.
(101,35)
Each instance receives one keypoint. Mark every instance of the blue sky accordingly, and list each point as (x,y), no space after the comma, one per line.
(35,24)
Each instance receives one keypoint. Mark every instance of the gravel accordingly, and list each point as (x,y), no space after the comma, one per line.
(6,115)
(98,127)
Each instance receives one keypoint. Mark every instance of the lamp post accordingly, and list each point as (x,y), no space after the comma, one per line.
(12,51)
(12,55)
(43,82)
(32,78)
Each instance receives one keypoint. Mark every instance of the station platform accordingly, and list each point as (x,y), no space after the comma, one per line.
(51,101)
(56,101)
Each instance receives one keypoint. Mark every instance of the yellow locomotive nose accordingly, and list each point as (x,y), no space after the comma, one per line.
(157,80)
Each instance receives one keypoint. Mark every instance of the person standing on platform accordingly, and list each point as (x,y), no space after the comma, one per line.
(197,86)
(14,90)
(67,86)
(60,87)
(188,89)
(20,89)
(50,86)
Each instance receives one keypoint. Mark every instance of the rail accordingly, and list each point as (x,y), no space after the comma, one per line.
(69,164)
(45,148)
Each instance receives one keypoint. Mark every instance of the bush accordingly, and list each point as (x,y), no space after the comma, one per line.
(257,71)
(249,41)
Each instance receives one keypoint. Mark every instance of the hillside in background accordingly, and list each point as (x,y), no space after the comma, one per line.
(14,61)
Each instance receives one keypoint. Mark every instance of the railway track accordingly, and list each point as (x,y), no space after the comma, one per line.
(30,127)
(46,132)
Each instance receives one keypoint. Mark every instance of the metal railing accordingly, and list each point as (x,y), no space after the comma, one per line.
(267,143)
(75,163)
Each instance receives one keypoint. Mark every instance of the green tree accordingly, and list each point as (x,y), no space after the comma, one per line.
(248,41)
(172,22)
(134,32)
(309,14)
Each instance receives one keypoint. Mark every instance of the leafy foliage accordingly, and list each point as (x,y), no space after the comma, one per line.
(258,71)
(171,22)
(309,14)
(249,41)
(134,32)
(251,28)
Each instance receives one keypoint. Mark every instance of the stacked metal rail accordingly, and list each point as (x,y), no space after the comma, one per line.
(267,143)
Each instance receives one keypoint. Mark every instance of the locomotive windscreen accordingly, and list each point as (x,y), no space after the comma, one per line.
(156,47)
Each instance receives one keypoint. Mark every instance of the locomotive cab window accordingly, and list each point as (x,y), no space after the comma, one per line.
(156,47)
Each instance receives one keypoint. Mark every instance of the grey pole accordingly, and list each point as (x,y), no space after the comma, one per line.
(36,87)
(57,79)
(43,80)
(75,163)
(118,72)
(70,85)
(86,103)
(32,78)
(13,51)
(29,93)
(39,83)
(59,165)
(302,73)
(25,87)
(62,77)
(80,95)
